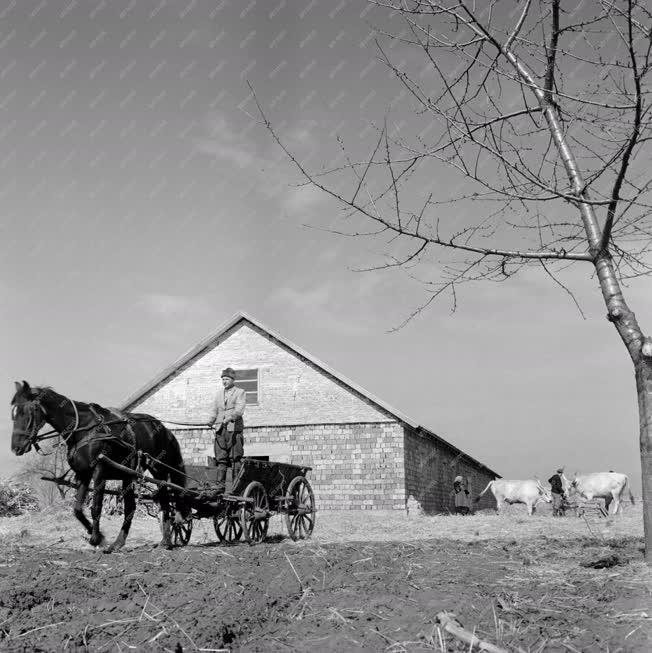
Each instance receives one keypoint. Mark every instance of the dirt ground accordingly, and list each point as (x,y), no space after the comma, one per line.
(353,587)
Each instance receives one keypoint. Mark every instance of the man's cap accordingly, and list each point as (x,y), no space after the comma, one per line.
(458,479)
(230,372)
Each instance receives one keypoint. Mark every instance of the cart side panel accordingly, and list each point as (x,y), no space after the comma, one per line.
(200,477)
(204,478)
(275,477)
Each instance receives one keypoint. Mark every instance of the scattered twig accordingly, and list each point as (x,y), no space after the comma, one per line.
(450,624)
(631,632)
(161,632)
(375,631)
(27,632)
(441,639)
(337,615)
(295,571)
(182,630)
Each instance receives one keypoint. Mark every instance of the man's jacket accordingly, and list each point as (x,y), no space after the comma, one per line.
(229,406)
(557,486)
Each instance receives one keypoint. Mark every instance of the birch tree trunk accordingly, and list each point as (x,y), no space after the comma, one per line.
(639,348)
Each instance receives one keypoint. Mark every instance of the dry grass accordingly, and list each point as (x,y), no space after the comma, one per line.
(537,596)
(57,526)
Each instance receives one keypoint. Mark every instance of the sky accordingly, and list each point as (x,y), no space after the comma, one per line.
(143,204)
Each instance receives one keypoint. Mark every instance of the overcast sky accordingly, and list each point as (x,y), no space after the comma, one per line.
(142,206)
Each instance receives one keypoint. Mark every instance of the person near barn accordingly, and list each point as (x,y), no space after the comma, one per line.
(557,492)
(461,494)
(228,410)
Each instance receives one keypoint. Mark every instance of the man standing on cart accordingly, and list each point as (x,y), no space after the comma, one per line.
(228,410)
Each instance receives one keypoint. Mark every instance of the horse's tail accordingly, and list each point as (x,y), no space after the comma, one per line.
(490,484)
(177,474)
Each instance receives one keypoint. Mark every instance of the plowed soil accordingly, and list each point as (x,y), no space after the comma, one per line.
(530,594)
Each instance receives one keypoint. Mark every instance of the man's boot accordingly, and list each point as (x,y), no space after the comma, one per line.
(220,480)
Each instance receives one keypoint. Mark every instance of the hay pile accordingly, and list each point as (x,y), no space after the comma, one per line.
(16,499)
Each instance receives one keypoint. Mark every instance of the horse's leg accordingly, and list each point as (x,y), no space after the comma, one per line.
(99,484)
(78,509)
(129,499)
(164,517)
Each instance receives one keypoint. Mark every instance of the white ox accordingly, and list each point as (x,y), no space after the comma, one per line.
(609,486)
(529,492)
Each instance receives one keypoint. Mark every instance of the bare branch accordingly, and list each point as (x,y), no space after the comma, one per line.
(563,287)
(626,157)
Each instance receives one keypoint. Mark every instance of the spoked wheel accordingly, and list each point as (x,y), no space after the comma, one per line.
(254,515)
(181,532)
(300,509)
(227,525)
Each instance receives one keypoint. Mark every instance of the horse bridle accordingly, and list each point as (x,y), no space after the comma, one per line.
(34,438)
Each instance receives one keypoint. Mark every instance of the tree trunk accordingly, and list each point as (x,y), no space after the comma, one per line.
(643,369)
(640,351)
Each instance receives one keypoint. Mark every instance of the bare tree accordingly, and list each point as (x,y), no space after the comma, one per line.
(51,465)
(542,110)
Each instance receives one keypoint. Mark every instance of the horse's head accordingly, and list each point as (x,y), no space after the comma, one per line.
(28,417)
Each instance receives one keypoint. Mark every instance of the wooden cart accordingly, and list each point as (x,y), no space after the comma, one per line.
(261,490)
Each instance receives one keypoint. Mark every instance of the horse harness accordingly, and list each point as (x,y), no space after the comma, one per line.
(93,434)
(101,430)
(100,426)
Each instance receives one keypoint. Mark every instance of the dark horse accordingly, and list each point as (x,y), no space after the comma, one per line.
(94,434)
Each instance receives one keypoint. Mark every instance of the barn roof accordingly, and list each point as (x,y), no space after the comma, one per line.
(214,338)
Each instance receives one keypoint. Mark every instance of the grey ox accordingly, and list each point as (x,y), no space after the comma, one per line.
(529,492)
(609,486)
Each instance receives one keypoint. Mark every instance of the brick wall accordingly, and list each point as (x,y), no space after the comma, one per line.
(291,389)
(431,466)
(196,445)
(356,466)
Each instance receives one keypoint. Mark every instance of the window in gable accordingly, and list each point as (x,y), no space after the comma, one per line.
(248,381)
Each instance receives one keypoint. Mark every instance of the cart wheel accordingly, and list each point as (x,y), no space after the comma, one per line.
(227,525)
(181,532)
(300,509)
(254,516)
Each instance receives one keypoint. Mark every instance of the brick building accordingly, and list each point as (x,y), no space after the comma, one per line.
(364,453)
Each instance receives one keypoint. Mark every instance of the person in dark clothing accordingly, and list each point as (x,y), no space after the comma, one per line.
(461,494)
(557,491)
